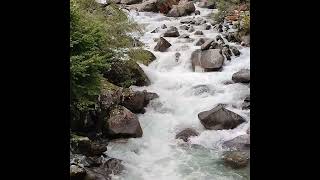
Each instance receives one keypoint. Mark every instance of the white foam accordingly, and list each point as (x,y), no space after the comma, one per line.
(158,155)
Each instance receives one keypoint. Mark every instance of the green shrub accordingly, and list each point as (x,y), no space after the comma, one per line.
(97,37)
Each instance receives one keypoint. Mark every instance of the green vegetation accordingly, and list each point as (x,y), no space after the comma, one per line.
(225,7)
(98,42)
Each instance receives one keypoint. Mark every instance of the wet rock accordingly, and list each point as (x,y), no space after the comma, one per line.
(94,161)
(200,42)
(77,172)
(191,29)
(110,167)
(122,124)
(162,45)
(200,89)
(207,4)
(227,52)
(171,32)
(198,33)
(184,36)
(129,2)
(182,9)
(242,76)
(165,6)
(219,38)
(232,37)
(83,145)
(246,103)
(197,12)
(184,27)
(137,100)
(236,159)
(207,27)
(177,56)
(126,73)
(163,26)
(199,21)
(186,134)
(148,6)
(155,30)
(239,143)
(206,45)
(220,118)
(209,60)
(187,20)
(235,51)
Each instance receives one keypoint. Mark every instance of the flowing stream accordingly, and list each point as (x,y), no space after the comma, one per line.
(158,155)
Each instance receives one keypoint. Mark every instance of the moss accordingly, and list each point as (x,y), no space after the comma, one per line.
(142,56)
(106,85)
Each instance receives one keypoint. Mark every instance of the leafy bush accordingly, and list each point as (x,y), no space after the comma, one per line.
(97,35)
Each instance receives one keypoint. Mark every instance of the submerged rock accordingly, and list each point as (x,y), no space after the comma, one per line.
(236,159)
(220,118)
(186,134)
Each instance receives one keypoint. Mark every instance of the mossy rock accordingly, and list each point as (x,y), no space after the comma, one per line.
(127,73)
(142,56)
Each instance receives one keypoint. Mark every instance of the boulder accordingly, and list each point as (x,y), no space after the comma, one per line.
(110,167)
(126,73)
(235,51)
(198,33)
(171,32)
(182,9)
(162,45)
(184,36)
(236,159)
(207,4)
(242,76)
(163,26)
(148,6)
(164,6)
(209,60)
(227,52)
(207,27)
(239,143)
(246,103)
(186,134)
(184,27)
(155,30)
(83,145)
(197,12)
(122,124)
(110,95)
(200,42)
(206,45)
(220,118)
(191,29)
(129,2)
(77,172)
(136,101)
(187,20)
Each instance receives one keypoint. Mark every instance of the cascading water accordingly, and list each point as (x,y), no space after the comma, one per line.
(158,155)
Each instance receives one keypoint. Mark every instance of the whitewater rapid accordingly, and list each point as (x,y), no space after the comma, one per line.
(158,155)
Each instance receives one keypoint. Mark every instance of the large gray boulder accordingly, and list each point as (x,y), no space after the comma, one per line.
(208,60)
(242,76)
(220,118)
(162,45)
(122,124)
